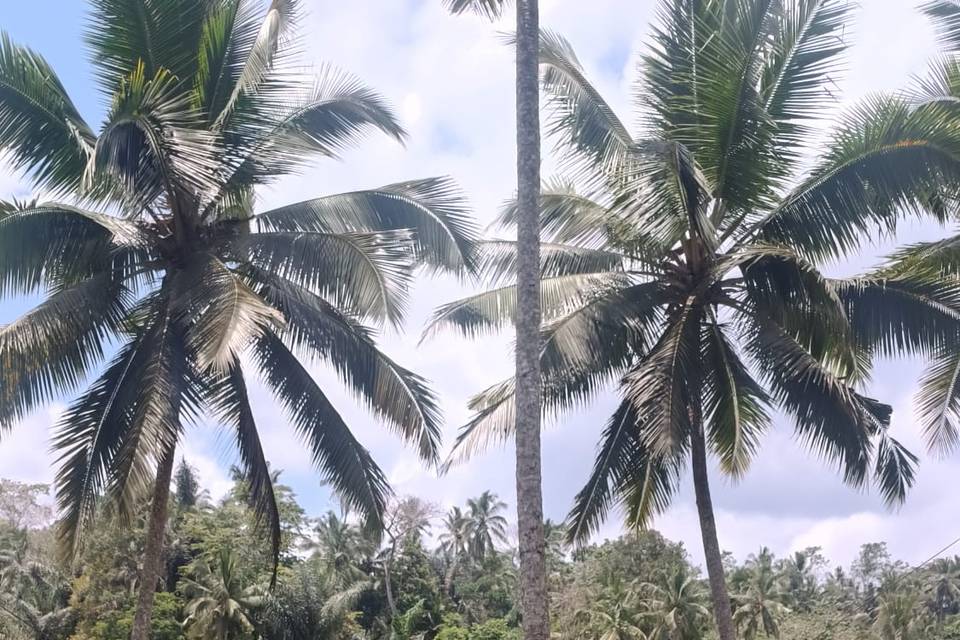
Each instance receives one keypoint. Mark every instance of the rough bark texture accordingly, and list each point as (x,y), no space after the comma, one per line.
(153,550)
(708,530)
(533,583)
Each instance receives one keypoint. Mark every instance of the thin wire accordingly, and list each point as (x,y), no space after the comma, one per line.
(928,560)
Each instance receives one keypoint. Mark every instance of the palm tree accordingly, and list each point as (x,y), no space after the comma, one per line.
(899,617)
(453,543)
(682,264)
(340,546)
(615,612)
(760,609)
(485,525)
(527,317)
(677,608)
(942,586)
(153,245)
(221,603)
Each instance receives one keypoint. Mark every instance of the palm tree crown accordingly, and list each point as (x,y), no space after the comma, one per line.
(152,251)
(485,524)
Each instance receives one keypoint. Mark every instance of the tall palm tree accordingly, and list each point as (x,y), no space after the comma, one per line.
(676,607)
(221,602)
(453,543)
(760,609)
(942,587)
(485,526)
(527,316)
(153,251)
(682,264)
(341,546)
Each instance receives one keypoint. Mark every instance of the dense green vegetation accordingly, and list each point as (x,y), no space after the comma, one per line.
(434,575)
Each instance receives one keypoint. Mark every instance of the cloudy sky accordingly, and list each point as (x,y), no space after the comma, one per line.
(451,82)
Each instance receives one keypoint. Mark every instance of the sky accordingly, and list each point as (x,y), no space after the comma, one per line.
(451,81)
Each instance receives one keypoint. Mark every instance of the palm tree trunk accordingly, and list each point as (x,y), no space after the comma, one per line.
(708,530)
(153,549)
(533,582)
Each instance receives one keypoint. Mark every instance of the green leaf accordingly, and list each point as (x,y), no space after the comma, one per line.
(433,209)
(342,461)
(40,128)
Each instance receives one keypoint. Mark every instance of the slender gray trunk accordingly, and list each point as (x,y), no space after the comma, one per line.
(708,530)
(153,549)
(533,580)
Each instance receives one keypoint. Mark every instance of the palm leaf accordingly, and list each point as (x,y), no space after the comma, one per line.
(395,394)
(945,15)
(231,405)
(939,402)
(40,128)
(895,470)
(49,350)
(367,273)
(433,209)
(489,8)
(342,461)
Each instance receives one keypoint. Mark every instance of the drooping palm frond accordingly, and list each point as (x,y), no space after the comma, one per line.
(230,402)
(108,437)
(895,469)
(735,405)
(939,402)
(498,260)
(342,461)
(52,245)
(49,351)
(222,314)
(625,471)
(445,237)
(395,394)
(832,419)
(40,127)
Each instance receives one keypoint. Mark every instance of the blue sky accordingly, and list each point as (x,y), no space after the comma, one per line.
(451,81)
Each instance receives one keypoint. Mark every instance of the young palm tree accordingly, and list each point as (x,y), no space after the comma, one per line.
(221,604)
(615,613)
(760,609)
(485,525)
(677,608)
(528,315)
(152,252)
(682,264)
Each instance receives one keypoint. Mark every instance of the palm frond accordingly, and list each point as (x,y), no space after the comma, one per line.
(581,352)
(108,438)
(831,418)
(580,119)
(230,403)
(498,261)
(396,395)
(262,54)
(895,470)
(488,8)
(945,15)
(625,471)
(222,314)
(886,160)
(281,139)
(40,128)
(735,405)
(566,216)
(903,315)
(369,274)
(483,312)
(342,461)
(49,350)
(939,402)
(159,35)
(433,209)
(49,245)
(809,34)
(153,142)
